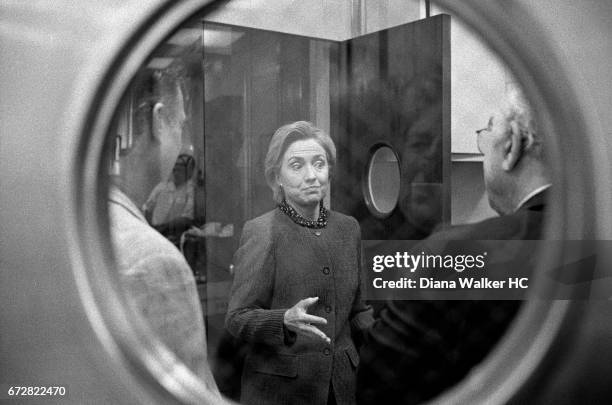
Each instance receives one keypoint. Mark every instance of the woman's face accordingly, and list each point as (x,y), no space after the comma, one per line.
(304,173)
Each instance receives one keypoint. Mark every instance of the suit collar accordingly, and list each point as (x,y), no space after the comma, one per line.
(537,201)
(116,196)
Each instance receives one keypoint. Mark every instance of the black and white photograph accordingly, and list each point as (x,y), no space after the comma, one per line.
(316,202)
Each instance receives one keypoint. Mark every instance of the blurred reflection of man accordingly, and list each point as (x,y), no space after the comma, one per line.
(417,349)
(415,120)
(420,199)
(169,208)
(156,277)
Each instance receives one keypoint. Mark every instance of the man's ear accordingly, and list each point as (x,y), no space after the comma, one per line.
(513,148)
(157,121)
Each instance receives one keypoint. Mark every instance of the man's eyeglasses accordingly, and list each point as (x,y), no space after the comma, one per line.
(487,128)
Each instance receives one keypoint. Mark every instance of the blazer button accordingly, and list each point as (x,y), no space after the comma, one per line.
(328,308)
(325,270)
(327,352)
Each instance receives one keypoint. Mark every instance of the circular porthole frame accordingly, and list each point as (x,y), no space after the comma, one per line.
(512,33)
(365,180)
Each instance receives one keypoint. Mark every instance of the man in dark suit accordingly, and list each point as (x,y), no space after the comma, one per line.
(417,349)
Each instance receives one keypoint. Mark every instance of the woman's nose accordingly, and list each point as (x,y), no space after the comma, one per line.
(309,173)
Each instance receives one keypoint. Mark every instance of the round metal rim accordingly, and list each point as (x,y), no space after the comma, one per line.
(365,181)
(91,222)
(126,340)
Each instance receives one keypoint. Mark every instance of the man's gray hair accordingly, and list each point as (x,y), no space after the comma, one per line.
(519,116)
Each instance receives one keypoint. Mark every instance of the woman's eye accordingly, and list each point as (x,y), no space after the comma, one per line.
(295,166)
(319,164)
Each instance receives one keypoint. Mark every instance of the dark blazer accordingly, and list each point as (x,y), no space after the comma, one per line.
(278,264)
(417,349)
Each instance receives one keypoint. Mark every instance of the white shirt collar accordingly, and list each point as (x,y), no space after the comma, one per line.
(530,195)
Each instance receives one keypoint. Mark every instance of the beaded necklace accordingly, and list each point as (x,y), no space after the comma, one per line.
(300,220)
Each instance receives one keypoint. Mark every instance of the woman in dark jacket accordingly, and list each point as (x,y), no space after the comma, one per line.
(296,296)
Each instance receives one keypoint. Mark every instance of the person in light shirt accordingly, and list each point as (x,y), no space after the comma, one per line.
(169,208)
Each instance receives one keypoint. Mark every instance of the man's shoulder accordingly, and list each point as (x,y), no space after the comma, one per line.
(135,241)
(491,226)
(521,225)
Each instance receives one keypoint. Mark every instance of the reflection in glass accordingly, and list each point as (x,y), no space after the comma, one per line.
(254,82)
(392,89)
(169,207)
(383,181)
(238,85)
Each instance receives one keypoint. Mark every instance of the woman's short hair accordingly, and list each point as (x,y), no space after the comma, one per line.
(280,142)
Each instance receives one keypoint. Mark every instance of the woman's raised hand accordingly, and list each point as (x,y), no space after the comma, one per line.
(299,321)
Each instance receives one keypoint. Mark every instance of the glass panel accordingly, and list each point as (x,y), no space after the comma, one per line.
(383,181)
(204,110)
(393,90)
(254,82)
(190,142)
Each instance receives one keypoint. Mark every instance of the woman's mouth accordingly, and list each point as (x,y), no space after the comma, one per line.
(311,189)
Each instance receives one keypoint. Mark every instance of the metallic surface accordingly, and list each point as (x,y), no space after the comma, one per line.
(64,69)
